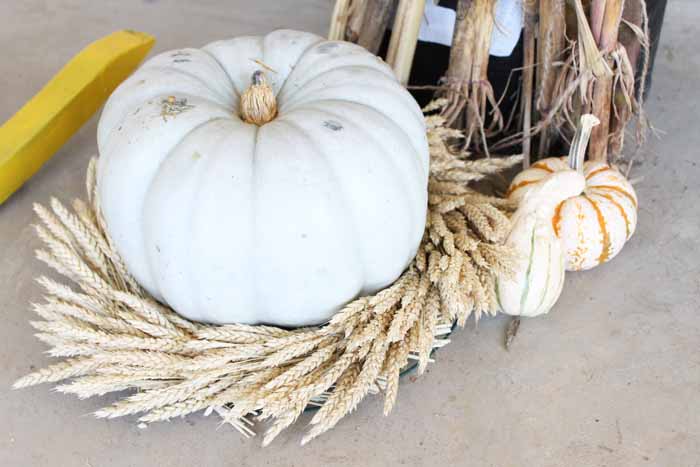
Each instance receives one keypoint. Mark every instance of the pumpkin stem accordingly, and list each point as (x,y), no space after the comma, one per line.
(258,103)
(578,145)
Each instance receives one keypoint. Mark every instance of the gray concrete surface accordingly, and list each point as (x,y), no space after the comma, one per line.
(610,378)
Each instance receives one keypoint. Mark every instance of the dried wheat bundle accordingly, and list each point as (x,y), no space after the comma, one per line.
(112,336)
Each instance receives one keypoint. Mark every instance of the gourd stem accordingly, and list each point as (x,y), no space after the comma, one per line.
(258,102)
(577,152)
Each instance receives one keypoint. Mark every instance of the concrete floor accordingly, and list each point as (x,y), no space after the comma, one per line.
(610,378)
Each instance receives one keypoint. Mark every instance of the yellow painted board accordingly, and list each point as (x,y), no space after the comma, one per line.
(55,113)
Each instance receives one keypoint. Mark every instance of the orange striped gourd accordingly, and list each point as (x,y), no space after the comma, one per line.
(593,225)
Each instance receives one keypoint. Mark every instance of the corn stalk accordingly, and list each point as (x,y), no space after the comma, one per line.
(339,20)
(530,15)
(602,103)
(374,22)
(404,37)
(469,92)
(550,46)
(356,16)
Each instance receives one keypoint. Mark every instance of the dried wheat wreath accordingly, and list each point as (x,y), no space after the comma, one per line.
(115,337)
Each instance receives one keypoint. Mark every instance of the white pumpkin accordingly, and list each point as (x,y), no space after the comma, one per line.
(593,224)
(280,222)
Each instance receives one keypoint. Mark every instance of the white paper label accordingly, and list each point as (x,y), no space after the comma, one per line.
(507,27)
(438,26)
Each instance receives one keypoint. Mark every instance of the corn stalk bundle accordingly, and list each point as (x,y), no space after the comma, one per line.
(579,56)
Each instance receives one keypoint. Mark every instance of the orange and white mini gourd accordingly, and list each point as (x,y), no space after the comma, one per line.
(272,202)
(540,268)
(595,223)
